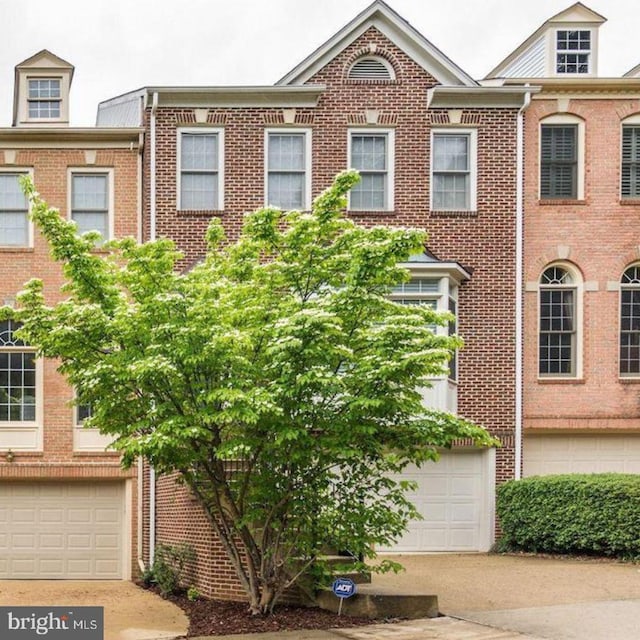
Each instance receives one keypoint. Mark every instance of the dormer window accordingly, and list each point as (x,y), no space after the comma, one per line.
(44,98)
(371,68)
(573,51)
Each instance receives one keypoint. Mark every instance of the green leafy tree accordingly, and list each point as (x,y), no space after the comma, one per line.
(276,376)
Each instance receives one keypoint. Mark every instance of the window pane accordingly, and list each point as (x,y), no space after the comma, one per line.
(369,193)
(199,152)
(286,152)
(14,229)
(89,192)
(451,153)
(44,88)
(17,386)
(451,191)
(92,221)
(199,191)
(369,153)
(44,109)
(286,190)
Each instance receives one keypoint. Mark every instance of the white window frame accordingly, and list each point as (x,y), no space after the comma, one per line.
(589,52)
(625,286)
(390,134)
(472,135)
(219,131)
(566,120)
(37,422)
(27,171)
(578,286)
(307,133)
(59,100)
(109,172)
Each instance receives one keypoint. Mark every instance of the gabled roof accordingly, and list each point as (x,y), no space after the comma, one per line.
(45,59)
(633,73)
(576,13)
(399,31)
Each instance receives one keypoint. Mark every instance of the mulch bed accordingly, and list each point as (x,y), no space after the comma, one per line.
(219,617)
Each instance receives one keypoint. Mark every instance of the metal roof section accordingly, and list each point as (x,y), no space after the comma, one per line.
(426,262)
(526,60)
(399,31)
(122,111)
(633,73)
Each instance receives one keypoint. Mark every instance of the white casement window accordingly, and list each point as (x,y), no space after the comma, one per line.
(371,152)
(562,157)
(288,168)
(18,378)
(453,170)
(44,98)
(573,51)
(15,228)
(91,200)
(200,169)
(559,322)
(630,322)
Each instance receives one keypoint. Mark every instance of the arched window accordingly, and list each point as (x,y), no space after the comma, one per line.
(371,68)
(558,323)
(630,322)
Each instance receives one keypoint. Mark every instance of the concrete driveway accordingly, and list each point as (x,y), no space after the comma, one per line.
(561,599)
(130,613)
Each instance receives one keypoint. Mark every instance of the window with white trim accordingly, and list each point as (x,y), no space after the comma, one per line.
(44,98)
(438,294)
(453,170)
(14,211)
(200,169)
(630,322)
(372,154)
(91,202)
(18,377)
(630,174)
(288,168)
(558,322)
(573,51)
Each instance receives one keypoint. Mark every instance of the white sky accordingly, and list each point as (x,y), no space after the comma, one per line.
(120,45)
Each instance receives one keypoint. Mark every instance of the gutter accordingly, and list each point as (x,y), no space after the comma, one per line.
(519,283)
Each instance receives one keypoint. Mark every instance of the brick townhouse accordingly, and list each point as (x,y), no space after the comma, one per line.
(436,150)
(67,510)
(582,251)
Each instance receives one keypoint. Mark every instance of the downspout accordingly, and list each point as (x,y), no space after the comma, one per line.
(519,282)
(152,236)
(140,462)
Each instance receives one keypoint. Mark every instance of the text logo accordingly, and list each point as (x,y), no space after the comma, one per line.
(52,623)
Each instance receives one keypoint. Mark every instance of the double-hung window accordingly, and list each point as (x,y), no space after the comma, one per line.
(630,177)
(559,161)
(453,171)
(17,377)
(558,323)
(200,169)
(288,169)
(44,98)
(91,202)
(372,154)
(14,211)
(573,51)
(630,322)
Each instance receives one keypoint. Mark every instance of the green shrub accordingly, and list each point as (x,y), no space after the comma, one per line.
(597,514)
(169,565)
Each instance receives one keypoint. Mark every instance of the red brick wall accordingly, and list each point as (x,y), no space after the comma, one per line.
(483,241)
(57,459)
(598,235)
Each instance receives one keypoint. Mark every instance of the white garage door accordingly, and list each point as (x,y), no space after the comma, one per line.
(455,496)
(546,455)
(61,530)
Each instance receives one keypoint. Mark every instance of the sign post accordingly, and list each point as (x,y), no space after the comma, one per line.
(343,588)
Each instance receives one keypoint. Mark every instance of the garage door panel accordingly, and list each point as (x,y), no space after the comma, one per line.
(453,498)
(550,454)
(62,530)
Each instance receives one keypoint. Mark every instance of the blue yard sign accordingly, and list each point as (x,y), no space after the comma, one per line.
(343,588)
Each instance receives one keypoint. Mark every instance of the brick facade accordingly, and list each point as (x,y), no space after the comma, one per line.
(49,163)
(482,241)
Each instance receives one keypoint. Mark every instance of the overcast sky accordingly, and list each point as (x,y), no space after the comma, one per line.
(120,45)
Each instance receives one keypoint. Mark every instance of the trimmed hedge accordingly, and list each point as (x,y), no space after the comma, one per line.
(597,514)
